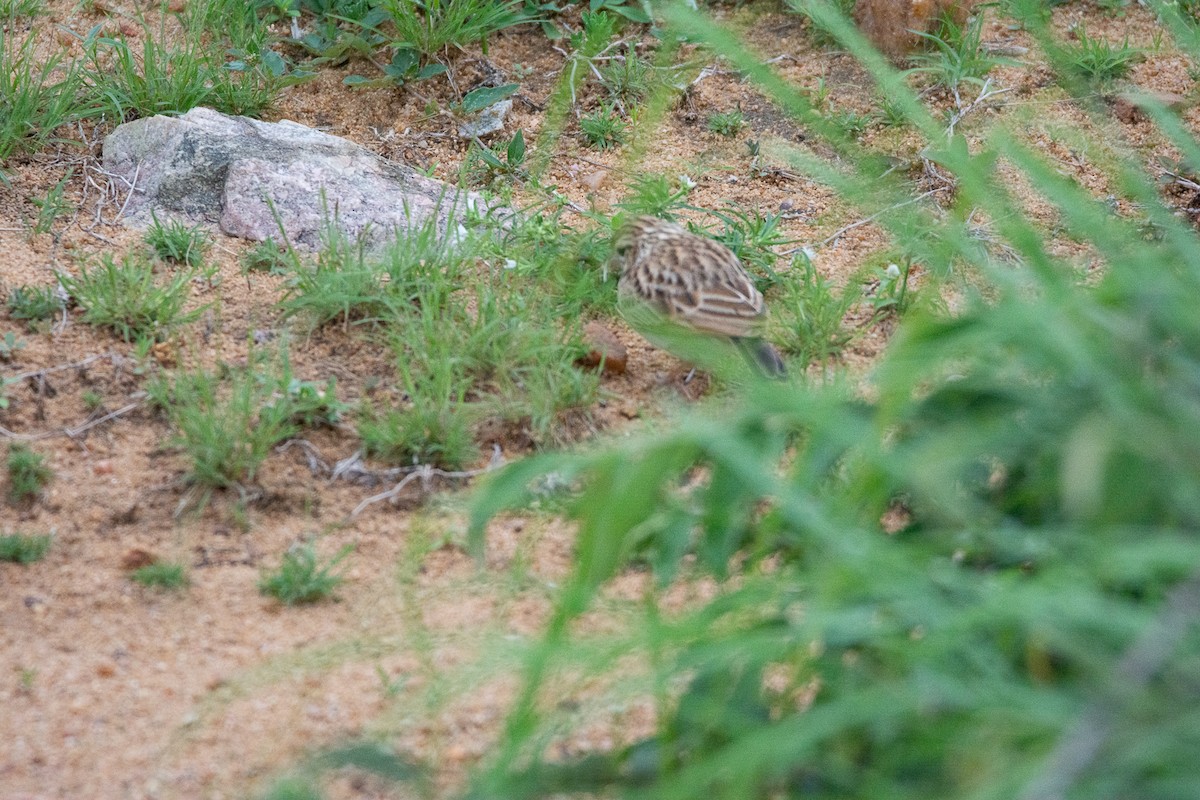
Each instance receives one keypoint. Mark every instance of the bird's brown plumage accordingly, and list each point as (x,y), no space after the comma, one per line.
(692,281)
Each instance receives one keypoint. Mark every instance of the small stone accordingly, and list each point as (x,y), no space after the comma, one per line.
(489,120)
(103,467)
(604,348)
(137,558)
(164,354)
(594,180)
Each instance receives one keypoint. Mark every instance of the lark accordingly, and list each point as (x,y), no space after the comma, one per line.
(675,284)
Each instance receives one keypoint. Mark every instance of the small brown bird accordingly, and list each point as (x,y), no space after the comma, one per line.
(675,284)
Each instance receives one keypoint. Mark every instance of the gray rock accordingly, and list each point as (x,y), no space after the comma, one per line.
(489,120)
(240,174)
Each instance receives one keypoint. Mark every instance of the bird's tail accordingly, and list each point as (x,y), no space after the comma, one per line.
(762,355)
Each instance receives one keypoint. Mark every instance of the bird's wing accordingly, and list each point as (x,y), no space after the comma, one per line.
(723,301)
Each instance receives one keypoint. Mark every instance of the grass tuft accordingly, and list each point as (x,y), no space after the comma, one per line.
(178,243)
(128,299)
(161,575)
(21,548)
(27,473)
(301,579)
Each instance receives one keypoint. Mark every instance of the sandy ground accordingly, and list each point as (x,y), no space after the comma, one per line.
(111,690)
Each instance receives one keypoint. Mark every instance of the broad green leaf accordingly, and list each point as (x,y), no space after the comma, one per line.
(484,96)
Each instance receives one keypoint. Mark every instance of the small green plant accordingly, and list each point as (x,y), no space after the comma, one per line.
(40,95)
(178,243)
(807,315)
(300,579)
(437,429)
(350,284)
(432,26)
(753,237)
(226,425)
(128,299)
(957,56)
(851,123)
(891,113)
(27,473)
(482,97)
(161,575)
(727,123)
(11,9)
(405,67)
(486,165)
(171,78)
(891,294)
(1095,60)
(268,256)
(657,195)
(628,79)
(308,404)
(23,548)
(604,129)
(632,10)
(92,400)
(34,303)
(9,346)
(52,205)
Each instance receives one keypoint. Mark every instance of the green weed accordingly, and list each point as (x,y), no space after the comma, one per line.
(178,243)
(957,56)
(268,256)
(300,579)
(13,9)
(604,129)
(753,238)
(628,79)
(226,424)
(808,314)
(128,299)
(656,195)
(40,95)
(405,67)
(485,165)
(28,473)
(170,79)
(727,123)
(349,283)
(1095,60)
(432,26)
(92,400)
(52,205)
(34,303)
(161,575)
(21,548)
(9,346)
